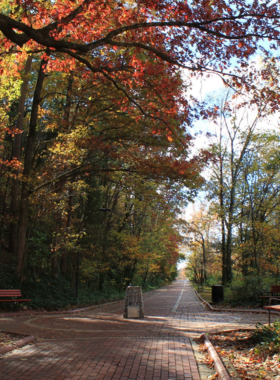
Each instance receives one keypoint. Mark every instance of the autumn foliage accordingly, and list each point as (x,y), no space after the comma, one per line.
(96,152)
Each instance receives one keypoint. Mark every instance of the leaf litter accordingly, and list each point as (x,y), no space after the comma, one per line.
(240,348)
(7,338)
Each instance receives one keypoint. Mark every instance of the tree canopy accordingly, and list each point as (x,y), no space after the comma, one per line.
(95,117)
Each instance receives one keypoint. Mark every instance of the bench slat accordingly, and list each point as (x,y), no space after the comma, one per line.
(15,300)
(10,293)
(13,294)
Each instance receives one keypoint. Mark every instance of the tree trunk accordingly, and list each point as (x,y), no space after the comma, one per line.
(54,257)
(25,191)
(64,259)
(17,154)
(228,274)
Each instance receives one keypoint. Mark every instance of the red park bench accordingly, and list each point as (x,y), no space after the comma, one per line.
(272,307)
(273,293)
(9,295)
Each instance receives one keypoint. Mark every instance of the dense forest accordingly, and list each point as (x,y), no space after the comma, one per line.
(96,150)
(97,198)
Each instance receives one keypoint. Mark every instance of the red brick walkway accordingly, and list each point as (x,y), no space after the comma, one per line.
(101,345)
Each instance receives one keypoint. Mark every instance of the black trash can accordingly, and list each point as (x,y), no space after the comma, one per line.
(217,293)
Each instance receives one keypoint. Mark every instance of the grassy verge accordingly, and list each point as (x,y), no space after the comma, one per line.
(205,293)
(231,300)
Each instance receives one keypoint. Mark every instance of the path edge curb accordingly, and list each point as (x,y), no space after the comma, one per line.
(218,363)
(18,344)
(73,311)
(205,303)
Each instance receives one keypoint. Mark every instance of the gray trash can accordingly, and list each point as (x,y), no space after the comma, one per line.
(217,293)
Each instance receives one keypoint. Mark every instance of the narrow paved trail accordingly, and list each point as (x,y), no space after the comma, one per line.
(100,344)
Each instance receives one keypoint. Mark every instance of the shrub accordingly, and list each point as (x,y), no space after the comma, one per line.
(247,289)
(267,337)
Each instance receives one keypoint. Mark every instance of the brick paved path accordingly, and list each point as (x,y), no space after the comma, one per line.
(100,344)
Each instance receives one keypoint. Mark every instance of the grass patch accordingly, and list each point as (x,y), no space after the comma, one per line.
(205,292)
